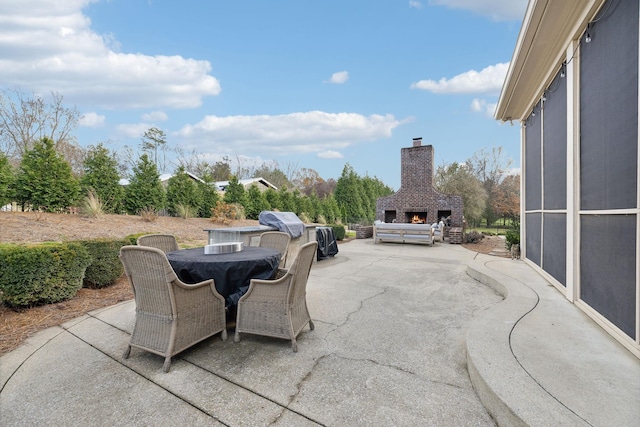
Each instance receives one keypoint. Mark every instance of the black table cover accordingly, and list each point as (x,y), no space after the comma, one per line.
(231,272)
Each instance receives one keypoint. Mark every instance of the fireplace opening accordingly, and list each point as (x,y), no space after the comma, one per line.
(444,214)
(390,216)
(416,217)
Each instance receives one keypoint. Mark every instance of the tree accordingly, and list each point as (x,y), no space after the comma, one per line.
(101,175)
(458,179)
(273,198)
(489,167)
(235,192)
(26,120)
(155,139)
(349,195)
(271,173)
(144,190)
(208,196)
(287,204)
(221,170)
(506,202)
(45,181)
(6,180)
(182,190)
(256,202)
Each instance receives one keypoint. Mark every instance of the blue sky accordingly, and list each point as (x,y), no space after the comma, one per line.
(308,84)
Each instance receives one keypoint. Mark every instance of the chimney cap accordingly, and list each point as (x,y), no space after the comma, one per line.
(417,142)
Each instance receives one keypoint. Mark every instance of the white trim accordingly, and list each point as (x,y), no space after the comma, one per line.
(573,236)
(630,211)
(638,213)
(523,174)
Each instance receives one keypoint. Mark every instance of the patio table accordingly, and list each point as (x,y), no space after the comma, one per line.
(231,272)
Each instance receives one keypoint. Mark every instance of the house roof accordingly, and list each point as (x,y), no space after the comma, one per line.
(164,177)
(222,185)
(548,28)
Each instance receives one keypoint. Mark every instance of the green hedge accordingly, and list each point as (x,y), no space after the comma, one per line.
(41,274)
(338,231)
(105,267)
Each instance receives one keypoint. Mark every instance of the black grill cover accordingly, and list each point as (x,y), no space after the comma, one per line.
(327,245)
(287,222)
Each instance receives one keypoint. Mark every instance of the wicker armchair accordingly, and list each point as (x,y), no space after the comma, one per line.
(277,240)
(170,315)
(165,242)
(278,308)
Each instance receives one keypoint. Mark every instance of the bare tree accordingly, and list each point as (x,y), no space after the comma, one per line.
(25,120)
(155,139)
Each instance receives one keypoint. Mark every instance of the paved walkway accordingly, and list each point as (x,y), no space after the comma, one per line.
(404,336)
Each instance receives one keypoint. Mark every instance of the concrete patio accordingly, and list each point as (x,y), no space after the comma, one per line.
(405,335)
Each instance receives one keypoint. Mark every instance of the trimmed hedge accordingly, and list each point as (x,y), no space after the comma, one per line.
(105,267)
(338,231)
(41,274)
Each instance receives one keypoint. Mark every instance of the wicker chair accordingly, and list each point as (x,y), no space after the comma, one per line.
(165,242)
(277,240)
(171,316)
(278,308)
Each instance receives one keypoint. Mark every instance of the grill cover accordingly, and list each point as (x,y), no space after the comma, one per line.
(327,245)
(287,222)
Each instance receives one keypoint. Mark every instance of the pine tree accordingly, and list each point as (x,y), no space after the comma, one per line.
(208,196)
(45,181)
(182,190)
(6,180)
(235,192)
(144,190)
(101,175)
(349,195)
(256,203)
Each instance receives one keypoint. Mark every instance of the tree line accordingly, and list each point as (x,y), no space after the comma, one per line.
(42,167)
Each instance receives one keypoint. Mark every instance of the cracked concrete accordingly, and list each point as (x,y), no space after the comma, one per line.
(389,348)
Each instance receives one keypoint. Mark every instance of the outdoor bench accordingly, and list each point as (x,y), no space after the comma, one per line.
(403,233)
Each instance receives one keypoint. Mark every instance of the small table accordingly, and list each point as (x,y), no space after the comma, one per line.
(231,272)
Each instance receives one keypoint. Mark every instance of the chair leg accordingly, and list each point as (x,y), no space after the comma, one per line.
(294,345)
(167,364)
(224,334)
(236,337)
(311,325)
(126,353)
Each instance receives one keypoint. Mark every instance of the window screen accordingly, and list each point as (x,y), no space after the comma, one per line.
(608,267)
(555,145)
(609,109)
(533,225)
(532,179)
(555,246)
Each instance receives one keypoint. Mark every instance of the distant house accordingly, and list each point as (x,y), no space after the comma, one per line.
(164,179)
(572,85)
(261,183)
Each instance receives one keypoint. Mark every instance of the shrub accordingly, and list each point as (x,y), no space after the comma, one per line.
(105,267)
(185,211)
(92,205)
(473,237)
(148,214)
(338,231)
(224,213)
(132,239)
(512,236)
(41,274)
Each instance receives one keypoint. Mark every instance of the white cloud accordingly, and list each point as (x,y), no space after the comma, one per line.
(482,106)
(415,4)
(489,80)
(295,133)
(92,120)
(330,154)
(339,77)
(50,45)
(498,10)
(135,130)
(155,116)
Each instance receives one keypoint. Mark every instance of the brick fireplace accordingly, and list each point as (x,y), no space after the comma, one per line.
(417,201)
